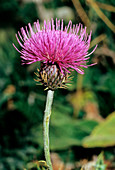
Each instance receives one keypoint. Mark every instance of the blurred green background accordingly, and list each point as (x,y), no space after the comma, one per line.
(83,118)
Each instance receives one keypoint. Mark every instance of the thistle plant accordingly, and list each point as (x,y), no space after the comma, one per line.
(60,49)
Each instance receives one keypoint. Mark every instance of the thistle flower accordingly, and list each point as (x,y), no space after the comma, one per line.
(59,49)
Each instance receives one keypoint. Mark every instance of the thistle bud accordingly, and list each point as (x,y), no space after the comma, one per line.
(51,76)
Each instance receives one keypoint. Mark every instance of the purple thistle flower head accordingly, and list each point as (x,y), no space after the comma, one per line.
(63,47)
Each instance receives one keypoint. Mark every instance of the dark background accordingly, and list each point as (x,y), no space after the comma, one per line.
(83,118)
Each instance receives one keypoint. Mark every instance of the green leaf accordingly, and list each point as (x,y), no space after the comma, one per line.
(37,164)
(100,162)
(64,131)
(103,134)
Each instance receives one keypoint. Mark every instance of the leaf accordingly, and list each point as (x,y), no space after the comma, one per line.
(100,162)
(107,7)
(64,131)
(80,10)
(105,51)
(101,15)
(67,132)
(37,164)
(95,164)
(103,134)
(97,40)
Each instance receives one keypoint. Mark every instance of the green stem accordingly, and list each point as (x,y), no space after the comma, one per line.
(46,127)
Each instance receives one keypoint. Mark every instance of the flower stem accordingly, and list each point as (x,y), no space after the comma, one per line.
(47,114)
